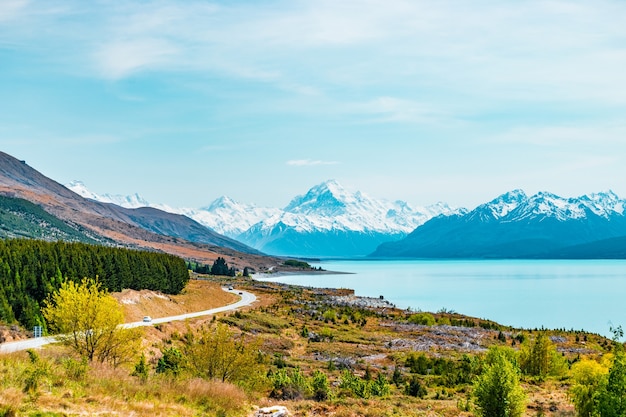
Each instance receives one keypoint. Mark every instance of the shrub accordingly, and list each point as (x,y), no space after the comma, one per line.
(415,388)
(425,319)
(171,362)
(320,386)
(289,385)
(141,369)
(497,391)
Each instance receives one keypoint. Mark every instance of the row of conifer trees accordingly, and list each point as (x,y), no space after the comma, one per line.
(31,269)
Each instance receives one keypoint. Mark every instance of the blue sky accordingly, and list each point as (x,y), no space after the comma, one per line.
(424,101)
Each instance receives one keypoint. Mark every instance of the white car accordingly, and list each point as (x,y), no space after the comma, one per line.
(147,319)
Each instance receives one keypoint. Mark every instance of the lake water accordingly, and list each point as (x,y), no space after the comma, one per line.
(580,294)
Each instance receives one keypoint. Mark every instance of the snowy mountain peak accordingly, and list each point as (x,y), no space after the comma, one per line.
(130,201)
(328,198)
(516,205)
(81,189)
(505,203)
(222,202)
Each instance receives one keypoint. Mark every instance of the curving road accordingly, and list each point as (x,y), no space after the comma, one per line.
(247,298)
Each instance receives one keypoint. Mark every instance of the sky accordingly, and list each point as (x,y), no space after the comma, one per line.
(421,101)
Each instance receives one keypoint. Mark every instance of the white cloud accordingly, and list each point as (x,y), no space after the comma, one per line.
(309,162)
(10,9)
(392,109)
(122,58)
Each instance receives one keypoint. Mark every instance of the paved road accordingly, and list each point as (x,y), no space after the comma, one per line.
(247,298)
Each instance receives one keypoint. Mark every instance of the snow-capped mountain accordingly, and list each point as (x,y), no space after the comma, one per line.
(330,221)
(517,225)
(326,221)
(229,217)
(224,215)
(130,201)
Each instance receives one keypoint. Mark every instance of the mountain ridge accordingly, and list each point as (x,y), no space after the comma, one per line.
(514,225)
(351,224)
(141,228)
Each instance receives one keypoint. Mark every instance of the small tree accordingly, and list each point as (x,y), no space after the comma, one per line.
(612,396)
(216,353)
(88,320)
(320,386)
(540,358)
(171,362)
(141,369)
(589,380)
(497,391)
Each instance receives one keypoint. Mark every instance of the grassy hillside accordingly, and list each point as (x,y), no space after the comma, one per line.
(22,219)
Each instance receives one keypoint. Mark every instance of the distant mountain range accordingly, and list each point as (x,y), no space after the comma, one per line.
(35,206)
(515,225)
(326,221)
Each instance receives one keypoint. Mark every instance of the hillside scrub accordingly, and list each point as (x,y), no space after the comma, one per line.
(365,362)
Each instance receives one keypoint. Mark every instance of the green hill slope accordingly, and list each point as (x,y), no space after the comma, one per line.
(21,218)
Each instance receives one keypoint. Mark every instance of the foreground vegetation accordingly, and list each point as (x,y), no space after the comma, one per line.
(318,354)
(32,270)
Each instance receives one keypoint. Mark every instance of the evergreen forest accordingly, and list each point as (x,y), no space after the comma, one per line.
(30,270)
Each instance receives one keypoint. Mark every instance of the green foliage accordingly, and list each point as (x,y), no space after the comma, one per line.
(418,363)
(330,316)
(397,377)
(292,384)
(452,372)
(22,219)
(364,388)
(612,395)
(497,391)
(141,369)
(216,353)
(171,362)
(31,270)
(37,373)
(297,264)
(320,386)
(415,388)
(75,369)
(220,267)
(589,379)
(380,386)
(425,319)
(304,332)
(88,320)
(541,358)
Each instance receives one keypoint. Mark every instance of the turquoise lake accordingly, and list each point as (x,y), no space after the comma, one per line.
(580,294)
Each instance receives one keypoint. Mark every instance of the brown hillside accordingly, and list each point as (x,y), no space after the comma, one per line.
(145,228)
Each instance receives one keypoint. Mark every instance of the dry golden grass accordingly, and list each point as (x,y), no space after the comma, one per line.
(198,295)
(104,390)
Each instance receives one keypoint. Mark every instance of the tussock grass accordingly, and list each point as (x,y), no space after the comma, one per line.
(104,390)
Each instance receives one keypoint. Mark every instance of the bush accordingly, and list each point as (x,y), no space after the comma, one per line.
(289,385)
(424,319)
(541,358)
(141,369)
(415,388)
(497,391)
(320,386)
(380,387)
(171,362)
